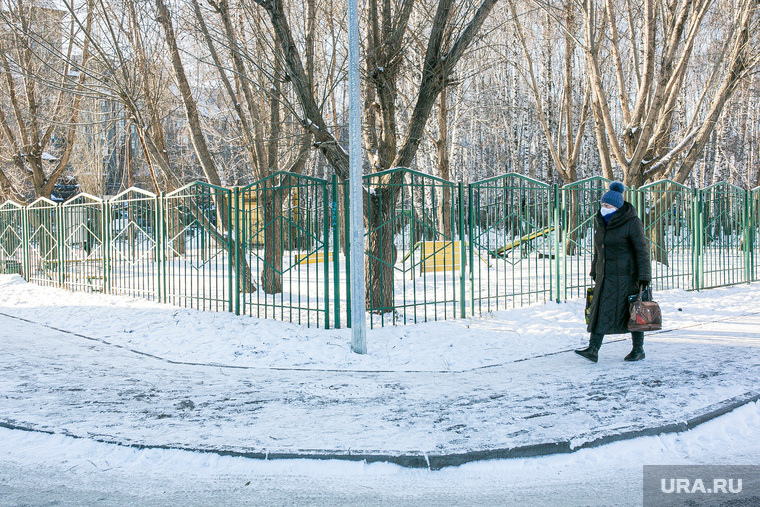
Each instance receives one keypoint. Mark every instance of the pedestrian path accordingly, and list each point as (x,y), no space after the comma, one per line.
(64,383)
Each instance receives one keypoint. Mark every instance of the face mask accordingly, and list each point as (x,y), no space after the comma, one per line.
(607,211)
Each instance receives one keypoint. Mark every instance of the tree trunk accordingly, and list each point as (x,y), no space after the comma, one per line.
(657,237)
(572,214)
(659,210)
(271,275)
(175,231)
(382,252)
(441,144)
(196,132)
(437,69)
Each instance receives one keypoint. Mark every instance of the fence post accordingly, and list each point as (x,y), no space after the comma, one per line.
(106,246)
(557,242)
(25,261)
(697,248)
(746,239)
(59,232)
(753,233)
(230,250)
(326,250)
(336,249)
(462,251)
(562,236)
(158,231)
(637,202)
(347,235)
(238,244)
(470,236)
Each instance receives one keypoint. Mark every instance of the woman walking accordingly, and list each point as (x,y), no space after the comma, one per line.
(620,267)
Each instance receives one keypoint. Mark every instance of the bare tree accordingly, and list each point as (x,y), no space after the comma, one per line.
(250,99)
(562,138)
(646,145)
(43,91)
(386,29)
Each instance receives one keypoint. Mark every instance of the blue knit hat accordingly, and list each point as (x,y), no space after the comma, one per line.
(614,196)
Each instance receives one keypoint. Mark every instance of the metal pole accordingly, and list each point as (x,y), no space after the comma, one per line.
(747,238)
(326,251)
(699,233)
(230,245)
(335,249)
(159,245)
(462,251)
(471,237)
(105,244)
(557,243)
(238,245)
(358,303)
(26,262)
(60,238)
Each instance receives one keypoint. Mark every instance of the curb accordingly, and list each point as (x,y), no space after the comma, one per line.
(419,459)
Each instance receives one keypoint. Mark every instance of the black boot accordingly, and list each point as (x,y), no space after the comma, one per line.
(637,353)
(592,351)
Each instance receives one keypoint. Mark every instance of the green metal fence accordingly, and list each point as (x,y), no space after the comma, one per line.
(668,211)
(83,259)
(514,254)
(42,234)
(722,219)
(415,247)
(580,202)
(434,249)
(197,248)
(285,224)
(133,225)
(753,233)
(12,238)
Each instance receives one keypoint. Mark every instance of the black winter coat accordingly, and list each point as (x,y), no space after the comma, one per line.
(620,262)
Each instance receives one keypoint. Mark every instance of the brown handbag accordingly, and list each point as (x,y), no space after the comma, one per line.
(644,315)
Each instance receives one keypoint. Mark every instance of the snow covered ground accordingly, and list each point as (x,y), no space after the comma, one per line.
(124,370)
(187,335)
(37,469)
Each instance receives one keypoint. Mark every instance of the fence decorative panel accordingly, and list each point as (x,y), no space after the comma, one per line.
(285,223)
(12,238)
(83,257)
(720,253)
(668,212)
(43,233)
(514,243)
(415,247)
(133,231)
(197,249)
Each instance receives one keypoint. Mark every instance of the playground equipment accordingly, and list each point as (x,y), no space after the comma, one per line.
(505,250)
(313,258)
(437,256)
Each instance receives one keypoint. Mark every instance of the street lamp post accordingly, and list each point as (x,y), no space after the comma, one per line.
(356,197)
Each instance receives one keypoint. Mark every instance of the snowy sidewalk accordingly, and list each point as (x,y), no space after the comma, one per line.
(76,384)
